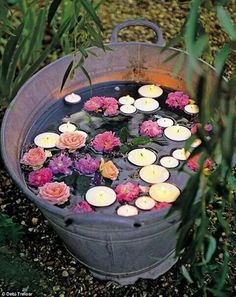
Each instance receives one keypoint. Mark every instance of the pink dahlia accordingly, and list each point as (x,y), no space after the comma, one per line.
(177,99)
(150,128)
(127,192)
(110,106)
(161,205)
(40,177)
(54,193)
(193,163)
(82,207)
(105,142)
(93,104)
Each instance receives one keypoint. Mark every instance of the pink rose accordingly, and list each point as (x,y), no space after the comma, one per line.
(71,140)
(150,128)
(54,193)
(127,192)
(34,157)
(40,177)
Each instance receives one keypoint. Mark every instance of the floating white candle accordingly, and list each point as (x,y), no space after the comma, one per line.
(177,133)
(169,162)
(127,210)
(165,122)
(145,203)
(128,109)
(151,91)
(126,100)
(181,154)
(67,127)
(154,174)
(46,140)
(142,157)
(191,109)
(196,142)
(164,192)
(72,98)
(146,104)
(100,196)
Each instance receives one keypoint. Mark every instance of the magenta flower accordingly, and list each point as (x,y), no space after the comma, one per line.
(82,207)
(177,99)
(60,164)
(93,104)
(150,128)
(105,142)
(87,165)
(127,192)
(208,127)
(40,177)
(161,205)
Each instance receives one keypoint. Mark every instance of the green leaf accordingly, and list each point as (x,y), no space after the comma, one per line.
(141,140)
(52,9)
(125,149)
(9,51)
(186,274)
(221,57)
(85,72)
(226,22)
(66,75)
(123,134)
(82,184)
(91,11)
(211,248)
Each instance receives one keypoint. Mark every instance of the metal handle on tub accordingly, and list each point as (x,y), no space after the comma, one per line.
(159,36)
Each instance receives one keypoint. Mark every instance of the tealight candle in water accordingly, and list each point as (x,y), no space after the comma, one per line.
(165,122)
(169,162)
(164,192)
(100,196)
(67,127)
(142,157)
(126,100)
(145,203)
(181,154)
(146,104)
(177,133)
(191,109)
(196,142)
(127,210)
(46,140)
(128,109)
(154,174)
(72,98)
(151,91)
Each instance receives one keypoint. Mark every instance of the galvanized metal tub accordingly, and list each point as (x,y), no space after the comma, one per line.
(112,247)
